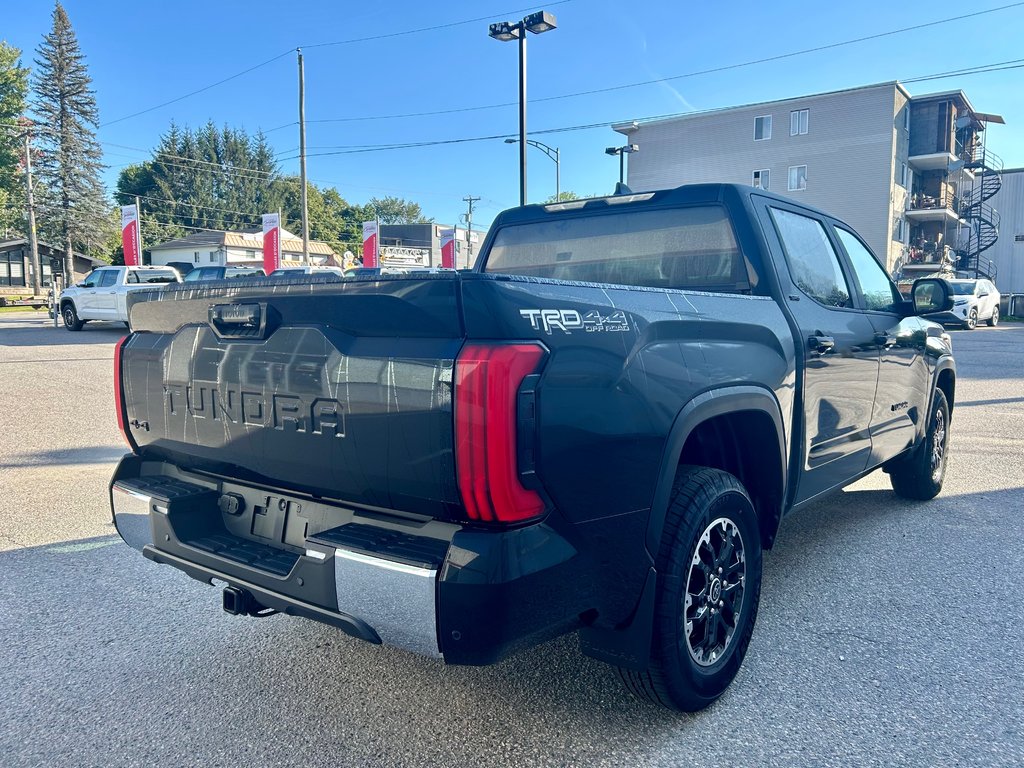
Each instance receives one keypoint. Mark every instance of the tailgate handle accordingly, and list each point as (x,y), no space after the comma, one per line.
(239,321)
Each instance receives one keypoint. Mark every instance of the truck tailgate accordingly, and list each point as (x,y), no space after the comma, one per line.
(338,389)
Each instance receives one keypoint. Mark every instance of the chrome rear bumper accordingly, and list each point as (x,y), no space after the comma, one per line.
(396,601)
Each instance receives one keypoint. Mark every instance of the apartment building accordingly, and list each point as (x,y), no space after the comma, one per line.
(910,173)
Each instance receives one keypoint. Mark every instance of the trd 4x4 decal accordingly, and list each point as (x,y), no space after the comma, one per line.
(569,320)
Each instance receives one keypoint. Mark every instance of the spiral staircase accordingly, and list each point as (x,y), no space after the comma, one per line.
(982,220)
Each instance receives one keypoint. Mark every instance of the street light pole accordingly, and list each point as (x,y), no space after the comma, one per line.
(506,31)
(628,149)
(522,114)
(553,152)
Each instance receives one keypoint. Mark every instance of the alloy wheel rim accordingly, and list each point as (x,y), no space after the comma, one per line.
(69,317)
(938,444)
(995,316)
(713,603)
(972,319)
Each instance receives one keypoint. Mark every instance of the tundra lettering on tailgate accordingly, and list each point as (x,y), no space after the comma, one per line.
(204,400)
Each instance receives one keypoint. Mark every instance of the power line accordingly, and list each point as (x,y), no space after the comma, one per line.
(695,73)
(318,45)
(197,91)
(436,27)
(363,148)
(194,205)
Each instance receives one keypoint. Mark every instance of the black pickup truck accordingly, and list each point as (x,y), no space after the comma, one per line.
(598,430)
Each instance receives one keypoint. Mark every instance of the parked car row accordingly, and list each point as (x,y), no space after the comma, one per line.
(102,294)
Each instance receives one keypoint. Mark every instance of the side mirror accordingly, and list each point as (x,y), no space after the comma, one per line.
(930,294)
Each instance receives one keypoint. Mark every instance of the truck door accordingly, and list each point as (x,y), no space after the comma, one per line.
(105,307)
(85,300)
(901,398)
(840,357)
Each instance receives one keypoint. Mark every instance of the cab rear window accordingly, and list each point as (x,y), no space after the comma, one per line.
(688,248)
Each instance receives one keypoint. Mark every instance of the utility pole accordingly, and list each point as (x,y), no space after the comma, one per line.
(302,159)
(469,229)
(33,244)
(138,217)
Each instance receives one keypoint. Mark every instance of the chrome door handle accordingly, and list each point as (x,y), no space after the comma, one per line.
(820,343)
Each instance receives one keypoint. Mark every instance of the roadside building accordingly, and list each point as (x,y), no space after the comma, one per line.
(419,245)
(16,266)
(236,249)
(911,174)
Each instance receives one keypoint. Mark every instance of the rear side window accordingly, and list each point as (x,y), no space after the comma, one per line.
(158,276)
(812,259)
(878,291)
(688,248)
(107,278)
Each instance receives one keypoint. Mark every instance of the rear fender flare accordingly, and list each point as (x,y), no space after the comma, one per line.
(707,405)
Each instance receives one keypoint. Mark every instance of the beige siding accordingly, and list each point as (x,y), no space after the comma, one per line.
(848,150)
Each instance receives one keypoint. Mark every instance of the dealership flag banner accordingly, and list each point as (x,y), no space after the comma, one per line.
(271,242)
(131,243)
(370,244)
(448,249)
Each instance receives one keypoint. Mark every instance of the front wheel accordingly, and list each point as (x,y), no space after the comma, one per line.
(920,475)
(972,320)
(71,321)
(709,587)
(994,320)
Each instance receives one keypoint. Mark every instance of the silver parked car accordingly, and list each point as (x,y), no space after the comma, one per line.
(974,301)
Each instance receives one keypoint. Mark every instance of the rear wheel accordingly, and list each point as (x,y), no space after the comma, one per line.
(994,320)
(709,586)
(920,475)
(71,321)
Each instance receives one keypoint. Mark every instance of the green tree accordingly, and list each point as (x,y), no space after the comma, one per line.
(563,197)
(394,210)
(13,91)
(76,211)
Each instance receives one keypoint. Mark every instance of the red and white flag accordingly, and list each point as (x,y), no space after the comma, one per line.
(448,248)
(271,242)
(371,244)
(131,242)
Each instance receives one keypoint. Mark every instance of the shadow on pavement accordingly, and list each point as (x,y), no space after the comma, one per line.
(142,636)
(100,454)
(47,336)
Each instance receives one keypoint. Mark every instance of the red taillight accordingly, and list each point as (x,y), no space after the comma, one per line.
(119,404)
(487,380)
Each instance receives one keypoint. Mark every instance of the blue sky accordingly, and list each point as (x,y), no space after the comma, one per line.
(143,54)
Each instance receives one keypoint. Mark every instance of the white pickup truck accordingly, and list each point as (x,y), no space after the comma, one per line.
(103,293)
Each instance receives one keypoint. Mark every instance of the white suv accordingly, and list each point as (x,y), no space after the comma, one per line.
(974,301)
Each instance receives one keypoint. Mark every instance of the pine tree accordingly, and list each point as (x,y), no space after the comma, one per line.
(13,90)
(70,163)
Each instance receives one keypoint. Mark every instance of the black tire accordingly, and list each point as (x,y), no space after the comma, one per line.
(70,317)
(972,320)
(920,474)
(711,537)
(994,320)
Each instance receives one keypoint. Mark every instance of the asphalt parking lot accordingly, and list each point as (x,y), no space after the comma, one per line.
(890,632)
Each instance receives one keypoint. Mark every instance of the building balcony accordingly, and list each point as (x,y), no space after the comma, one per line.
(924,207)
(935,161)
(922,260)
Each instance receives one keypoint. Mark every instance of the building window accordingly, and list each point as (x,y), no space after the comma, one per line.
(1018,238)
(762,127)
(797,177)
(250,254)
(798,120)
(899,230)
(195,257)
(761,179)
(906,118)
(903,176)
(213,257)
